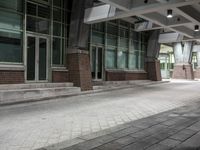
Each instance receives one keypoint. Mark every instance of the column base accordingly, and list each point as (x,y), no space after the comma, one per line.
(79,70)
(197,73)
(184,71)
(153,70)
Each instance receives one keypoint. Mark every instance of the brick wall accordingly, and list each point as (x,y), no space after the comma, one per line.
(60,76)
(125,75)
(153,69)
(11,77)
(183,72)
(79,70)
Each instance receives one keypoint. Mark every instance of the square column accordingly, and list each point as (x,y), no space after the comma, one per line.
(183,58)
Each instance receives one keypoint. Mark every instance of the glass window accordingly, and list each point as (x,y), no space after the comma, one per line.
(98,38)
(57,3)
(44,11)
(10,46)
(124,42)
(57,29)
(122,60)
(10,21)
(37,25)
(57,15)
(110,58)
(56,51)
(12,4)
(112,29)
(111,40)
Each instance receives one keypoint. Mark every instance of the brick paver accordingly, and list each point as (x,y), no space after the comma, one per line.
(64,121)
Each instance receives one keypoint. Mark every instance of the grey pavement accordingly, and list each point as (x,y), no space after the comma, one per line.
(60,123)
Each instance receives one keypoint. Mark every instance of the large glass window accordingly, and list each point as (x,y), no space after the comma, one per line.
(111,62)
(11,32)
(124,48)
(16,5)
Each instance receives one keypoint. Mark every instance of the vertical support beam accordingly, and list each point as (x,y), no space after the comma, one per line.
(152,62)
(78,54)
(183,61)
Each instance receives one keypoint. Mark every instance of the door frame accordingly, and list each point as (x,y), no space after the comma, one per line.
(96,63)
(37,37)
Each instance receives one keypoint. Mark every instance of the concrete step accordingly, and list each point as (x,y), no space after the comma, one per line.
(125,84)
(34,85)
(35,94)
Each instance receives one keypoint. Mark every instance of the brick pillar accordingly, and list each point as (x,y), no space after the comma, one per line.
(152,62)
(183,71)
(79,70)
(153,70)
(78,55)
(183,58)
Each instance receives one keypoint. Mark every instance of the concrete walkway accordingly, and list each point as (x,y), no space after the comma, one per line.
(178,129)
(66,120)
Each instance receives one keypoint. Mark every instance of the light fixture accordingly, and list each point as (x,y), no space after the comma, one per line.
(169,13)
(196,28)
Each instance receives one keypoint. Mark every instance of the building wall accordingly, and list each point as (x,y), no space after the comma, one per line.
(124,50)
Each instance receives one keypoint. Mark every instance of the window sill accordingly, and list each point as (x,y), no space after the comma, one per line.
(12,67)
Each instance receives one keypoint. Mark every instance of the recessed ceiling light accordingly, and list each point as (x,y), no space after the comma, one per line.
(196,28)
(169,13)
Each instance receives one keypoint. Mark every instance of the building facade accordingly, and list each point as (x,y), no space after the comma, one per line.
(44,41)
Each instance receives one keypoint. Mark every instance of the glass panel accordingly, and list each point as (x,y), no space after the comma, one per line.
(12,4)
(110,58)
(11,21)
(124,42)
(112,29)
(37,25)
(142,59)
(57,3)
(10,46)
(31,9)
(57,29)
(42,59)
(56,51)
(57,15)
(93,62)
(44,11)
(99,73)
(97,38)
(31,58)
(111,40)
(132,61)
(122,60)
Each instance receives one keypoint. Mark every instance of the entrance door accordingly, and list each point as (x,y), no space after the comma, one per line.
(37,58)
(97,63)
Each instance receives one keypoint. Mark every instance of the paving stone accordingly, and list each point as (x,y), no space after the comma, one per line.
(183,135)
(170,142)
(193,142)
(126,140)
(158,147)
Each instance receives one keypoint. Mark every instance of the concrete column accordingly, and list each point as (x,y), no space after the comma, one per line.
(183,61)
(78,53)
(152,62)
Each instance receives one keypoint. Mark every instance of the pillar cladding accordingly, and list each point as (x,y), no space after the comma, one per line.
(183,58)
(78,54)
(152,62)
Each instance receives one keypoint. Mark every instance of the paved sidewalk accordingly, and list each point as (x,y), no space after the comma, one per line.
(41,124)
(178,129)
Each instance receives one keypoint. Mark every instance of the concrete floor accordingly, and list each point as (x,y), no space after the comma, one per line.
(36,125)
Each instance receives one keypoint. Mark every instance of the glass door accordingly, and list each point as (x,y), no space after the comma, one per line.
(97,63)
(37,57)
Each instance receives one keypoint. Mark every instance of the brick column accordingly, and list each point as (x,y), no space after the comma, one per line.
(197,72)
(152,62)
(78,53)
(183,58)
(79,69)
